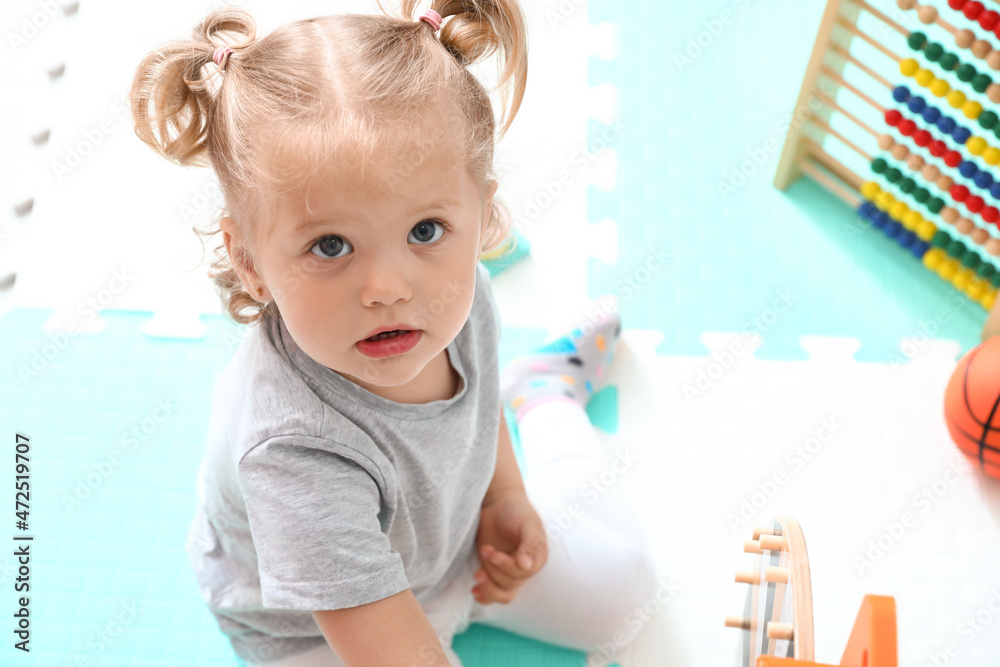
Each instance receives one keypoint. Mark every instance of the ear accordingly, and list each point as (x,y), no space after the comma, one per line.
(242,260)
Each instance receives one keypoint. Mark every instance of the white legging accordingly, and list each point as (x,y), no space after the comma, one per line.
(599,576)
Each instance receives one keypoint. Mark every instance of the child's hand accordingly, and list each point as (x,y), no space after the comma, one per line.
(512,547)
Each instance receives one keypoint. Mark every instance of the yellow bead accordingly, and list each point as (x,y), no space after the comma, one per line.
(870,190)
(976,145)
(988,299)
(956,98)
(939,88)
(975,289)
(897,211)
(908,67)
(933,258)
(885,200)
(972,109)
(992,155)
(925,77)
(926,230)
(948,268)
(961,279)
(912,219)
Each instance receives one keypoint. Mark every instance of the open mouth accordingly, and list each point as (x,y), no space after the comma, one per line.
(386,334)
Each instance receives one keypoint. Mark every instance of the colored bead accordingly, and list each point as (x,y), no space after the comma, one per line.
(981,82)
(927,14)
(885,142)
(949,214)
(964,226)
(916,103)
(991,155)
(933,258)
(892,117)
(924,77)
(893,229)
(870,189)
(964,38)
(926,230)
(912,219)
(982,179)
(939,88)
(990,214)
(980,235)
(946,124)
(948,268)
(879,165)
(952,158)
(972,10)
(989,19)
(976,145)
(957,5)
(880,220)
(941,239)
(987,119)
(915,162)
(930,172)
(965,73)
(948,61)
(971,259)
(898,211)
(900,152)
(907,127)
(956,99)
(959,192)
(961,279)
(900,93)
(972,109)
(919,249)
(934,205)
(933,51)
(921,195)
(931,114)
(961,134)
(892,174)
(993,60)
(922,137)
(885,200)
(955,248)
(995,191)
(937,148)
(905,238)
(968,168)
(909,67)
(916,40)
(980,48)
(907,185)
(974,203)
(993,92)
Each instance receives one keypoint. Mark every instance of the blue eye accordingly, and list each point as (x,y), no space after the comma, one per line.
(328,246)
(424,227)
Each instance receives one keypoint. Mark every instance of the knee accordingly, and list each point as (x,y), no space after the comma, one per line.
(639,596)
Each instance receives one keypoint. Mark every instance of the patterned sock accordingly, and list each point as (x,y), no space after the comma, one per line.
(571,367)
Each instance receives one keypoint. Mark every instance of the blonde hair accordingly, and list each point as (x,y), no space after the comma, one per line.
(336,86)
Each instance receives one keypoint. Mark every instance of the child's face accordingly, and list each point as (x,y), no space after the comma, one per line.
(340,262)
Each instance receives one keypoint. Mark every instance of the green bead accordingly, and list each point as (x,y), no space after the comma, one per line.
(987,120)
(948,61)
(956,249)
(941,239)
(892,174)
(935,205)
(933,51)
(971,259)
(916,40)
(996,131)
(981,82)
(995,280)
(966,72)
(921,195)
(907,185)
(985,271)
(879,165)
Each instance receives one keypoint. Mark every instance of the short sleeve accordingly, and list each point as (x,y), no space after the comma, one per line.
(314,521)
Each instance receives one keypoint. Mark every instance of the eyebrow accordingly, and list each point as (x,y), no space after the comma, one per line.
(308,225)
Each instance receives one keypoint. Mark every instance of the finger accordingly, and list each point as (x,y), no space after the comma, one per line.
(499,578)
(490,592)
(499,561)
(533,550)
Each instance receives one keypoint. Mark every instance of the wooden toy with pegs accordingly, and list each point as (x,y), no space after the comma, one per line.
(777,623)
(899,116)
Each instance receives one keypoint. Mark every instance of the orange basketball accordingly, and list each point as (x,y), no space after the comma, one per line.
(972,406)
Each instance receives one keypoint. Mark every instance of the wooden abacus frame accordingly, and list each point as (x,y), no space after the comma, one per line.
(972,264)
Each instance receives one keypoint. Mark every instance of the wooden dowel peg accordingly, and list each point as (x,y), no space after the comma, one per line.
(752,547)
(757,532)
(776,575)
(747,578)
(738,622)
(773,542)
(784,631)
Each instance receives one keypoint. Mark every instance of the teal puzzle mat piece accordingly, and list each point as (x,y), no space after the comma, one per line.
(116,423)
(706,243)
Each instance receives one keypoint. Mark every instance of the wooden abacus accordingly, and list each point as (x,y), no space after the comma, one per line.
(873,84)
(777,621)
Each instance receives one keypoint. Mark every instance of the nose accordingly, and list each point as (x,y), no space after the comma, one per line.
(385,281)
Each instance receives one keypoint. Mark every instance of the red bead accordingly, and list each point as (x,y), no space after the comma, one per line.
(990,214)
(959,192)
(907,127)
(989,19)
(937,148)
(996,31)
(972,10)
(974,204)
(892,117)
(922,137)
(957,4)
(952,158)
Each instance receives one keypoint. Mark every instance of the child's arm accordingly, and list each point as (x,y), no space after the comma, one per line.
(391,632)
(992,327)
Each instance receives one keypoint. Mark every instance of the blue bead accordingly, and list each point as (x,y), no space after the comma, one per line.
(946,124)
(931,114)
(906,238)
(968,168)
(983,180)
(916,104)
(866,209)
(919,248)
(961,135)
(892,229)
(900,93)
(995,190)
(880,219)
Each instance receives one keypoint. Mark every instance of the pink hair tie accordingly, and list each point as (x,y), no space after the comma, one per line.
(220,53)
(432,18)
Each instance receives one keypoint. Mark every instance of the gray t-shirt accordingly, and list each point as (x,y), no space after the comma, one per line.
(315,493)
